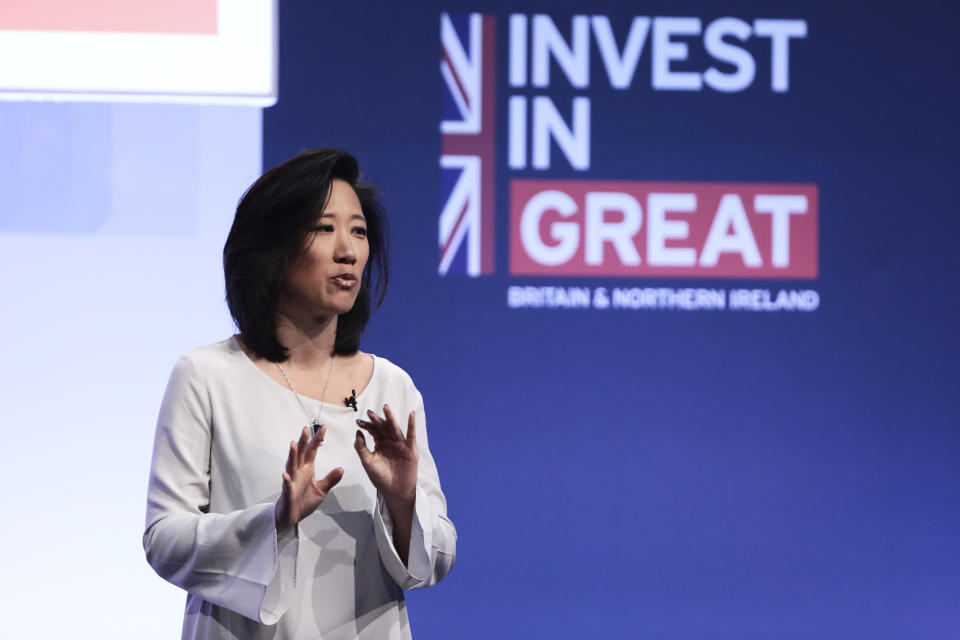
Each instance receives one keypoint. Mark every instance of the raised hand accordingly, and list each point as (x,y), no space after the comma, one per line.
(392,468)
(392,465)
(302,493)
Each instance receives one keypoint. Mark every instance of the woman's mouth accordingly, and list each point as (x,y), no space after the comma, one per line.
(345,281)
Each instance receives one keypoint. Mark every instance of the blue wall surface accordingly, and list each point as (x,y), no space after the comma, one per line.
(670,473)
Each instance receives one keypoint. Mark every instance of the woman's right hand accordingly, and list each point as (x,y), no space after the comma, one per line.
(302,493)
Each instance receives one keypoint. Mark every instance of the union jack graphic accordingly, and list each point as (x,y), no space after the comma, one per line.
(467,165)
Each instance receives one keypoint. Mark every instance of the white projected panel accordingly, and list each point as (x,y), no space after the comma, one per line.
(186,51)
(112,224)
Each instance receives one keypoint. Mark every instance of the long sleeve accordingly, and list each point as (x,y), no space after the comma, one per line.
(235,560)
(433,538)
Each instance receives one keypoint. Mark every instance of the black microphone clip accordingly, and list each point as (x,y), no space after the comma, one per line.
(352,400)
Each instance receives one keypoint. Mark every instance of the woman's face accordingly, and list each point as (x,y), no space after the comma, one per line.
(325,281)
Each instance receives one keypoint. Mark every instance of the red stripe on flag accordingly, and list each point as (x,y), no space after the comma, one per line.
(456,79)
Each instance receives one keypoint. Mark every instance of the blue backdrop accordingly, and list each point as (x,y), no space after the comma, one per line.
(664,473)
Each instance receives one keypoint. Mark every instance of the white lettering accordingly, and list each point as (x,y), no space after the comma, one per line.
(573,59)
(726,52)
(663,298)
(620,68)
(536,44)
(548,297)
(573,141)
(730,213)
(780,208)
(518,50)
(780,32)
(619,234)
(666,51)
(517,151)
(763,300)
(567,234)
(659,229)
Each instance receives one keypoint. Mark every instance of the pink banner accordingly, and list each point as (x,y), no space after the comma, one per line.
(663,229)
(126,16)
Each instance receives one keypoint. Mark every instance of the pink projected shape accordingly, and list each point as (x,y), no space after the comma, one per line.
(127,16)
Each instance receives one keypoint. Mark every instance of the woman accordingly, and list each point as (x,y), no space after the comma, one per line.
(235,512)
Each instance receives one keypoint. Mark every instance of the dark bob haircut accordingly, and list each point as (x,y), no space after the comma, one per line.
(269,235)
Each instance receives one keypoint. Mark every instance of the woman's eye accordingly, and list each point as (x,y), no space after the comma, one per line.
(323,227)
(360,231)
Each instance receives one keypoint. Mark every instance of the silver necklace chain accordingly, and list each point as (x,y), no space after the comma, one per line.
(316,424)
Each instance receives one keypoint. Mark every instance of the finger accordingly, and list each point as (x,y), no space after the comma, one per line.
(328,481)
(292,458)
(310,451)
(412,430)
(302,445)
(283,505)
(369,427)
(376,426)
(384,427)
(360,444)
(310,454)
(391,427)
(374,418)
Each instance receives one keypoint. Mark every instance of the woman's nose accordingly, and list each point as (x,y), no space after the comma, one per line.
(344,251)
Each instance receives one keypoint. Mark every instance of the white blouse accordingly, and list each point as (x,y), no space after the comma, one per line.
(220,449)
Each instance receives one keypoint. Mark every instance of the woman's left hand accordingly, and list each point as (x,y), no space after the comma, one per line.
(392,465)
